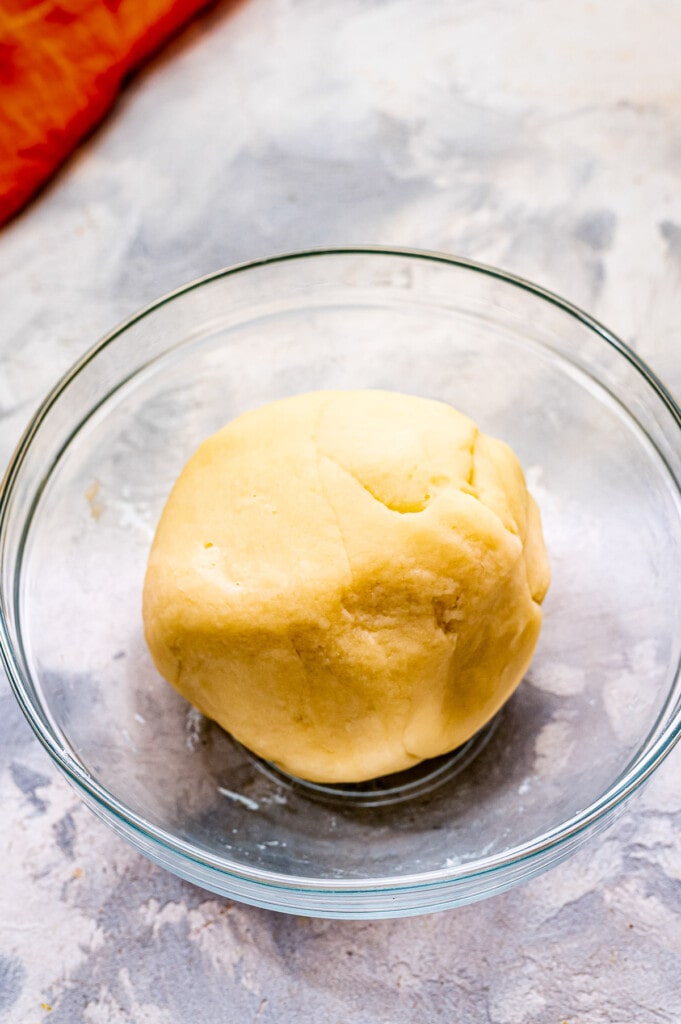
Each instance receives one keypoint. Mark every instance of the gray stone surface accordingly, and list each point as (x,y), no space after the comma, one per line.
(538,135)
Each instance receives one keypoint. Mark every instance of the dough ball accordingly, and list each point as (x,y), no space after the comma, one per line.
(348,582)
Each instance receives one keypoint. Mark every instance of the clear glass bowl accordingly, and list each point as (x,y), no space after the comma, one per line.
(600,708)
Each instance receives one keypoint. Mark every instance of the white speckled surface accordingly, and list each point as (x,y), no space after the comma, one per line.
(538,135)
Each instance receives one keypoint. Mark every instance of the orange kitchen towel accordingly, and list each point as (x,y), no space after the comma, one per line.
(61,65)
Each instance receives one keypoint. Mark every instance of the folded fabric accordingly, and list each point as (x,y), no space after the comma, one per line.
(61,65)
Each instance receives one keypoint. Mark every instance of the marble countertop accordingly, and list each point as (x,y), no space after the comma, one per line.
(540,136)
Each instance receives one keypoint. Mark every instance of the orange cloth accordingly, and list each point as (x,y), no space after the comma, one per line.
(61,65)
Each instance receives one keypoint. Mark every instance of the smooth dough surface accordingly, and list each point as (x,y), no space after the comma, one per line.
(348,582)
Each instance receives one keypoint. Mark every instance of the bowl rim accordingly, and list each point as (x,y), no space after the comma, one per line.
(554,839)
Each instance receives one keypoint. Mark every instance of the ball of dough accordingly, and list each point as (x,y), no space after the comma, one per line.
(348,582)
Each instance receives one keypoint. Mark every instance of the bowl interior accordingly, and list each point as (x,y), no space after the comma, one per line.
(602,685)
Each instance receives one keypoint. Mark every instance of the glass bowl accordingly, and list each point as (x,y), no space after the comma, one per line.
(598,711)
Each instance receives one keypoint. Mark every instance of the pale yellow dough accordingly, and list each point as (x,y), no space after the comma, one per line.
(348,582)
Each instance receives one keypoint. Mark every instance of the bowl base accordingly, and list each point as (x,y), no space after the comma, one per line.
(398,788)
